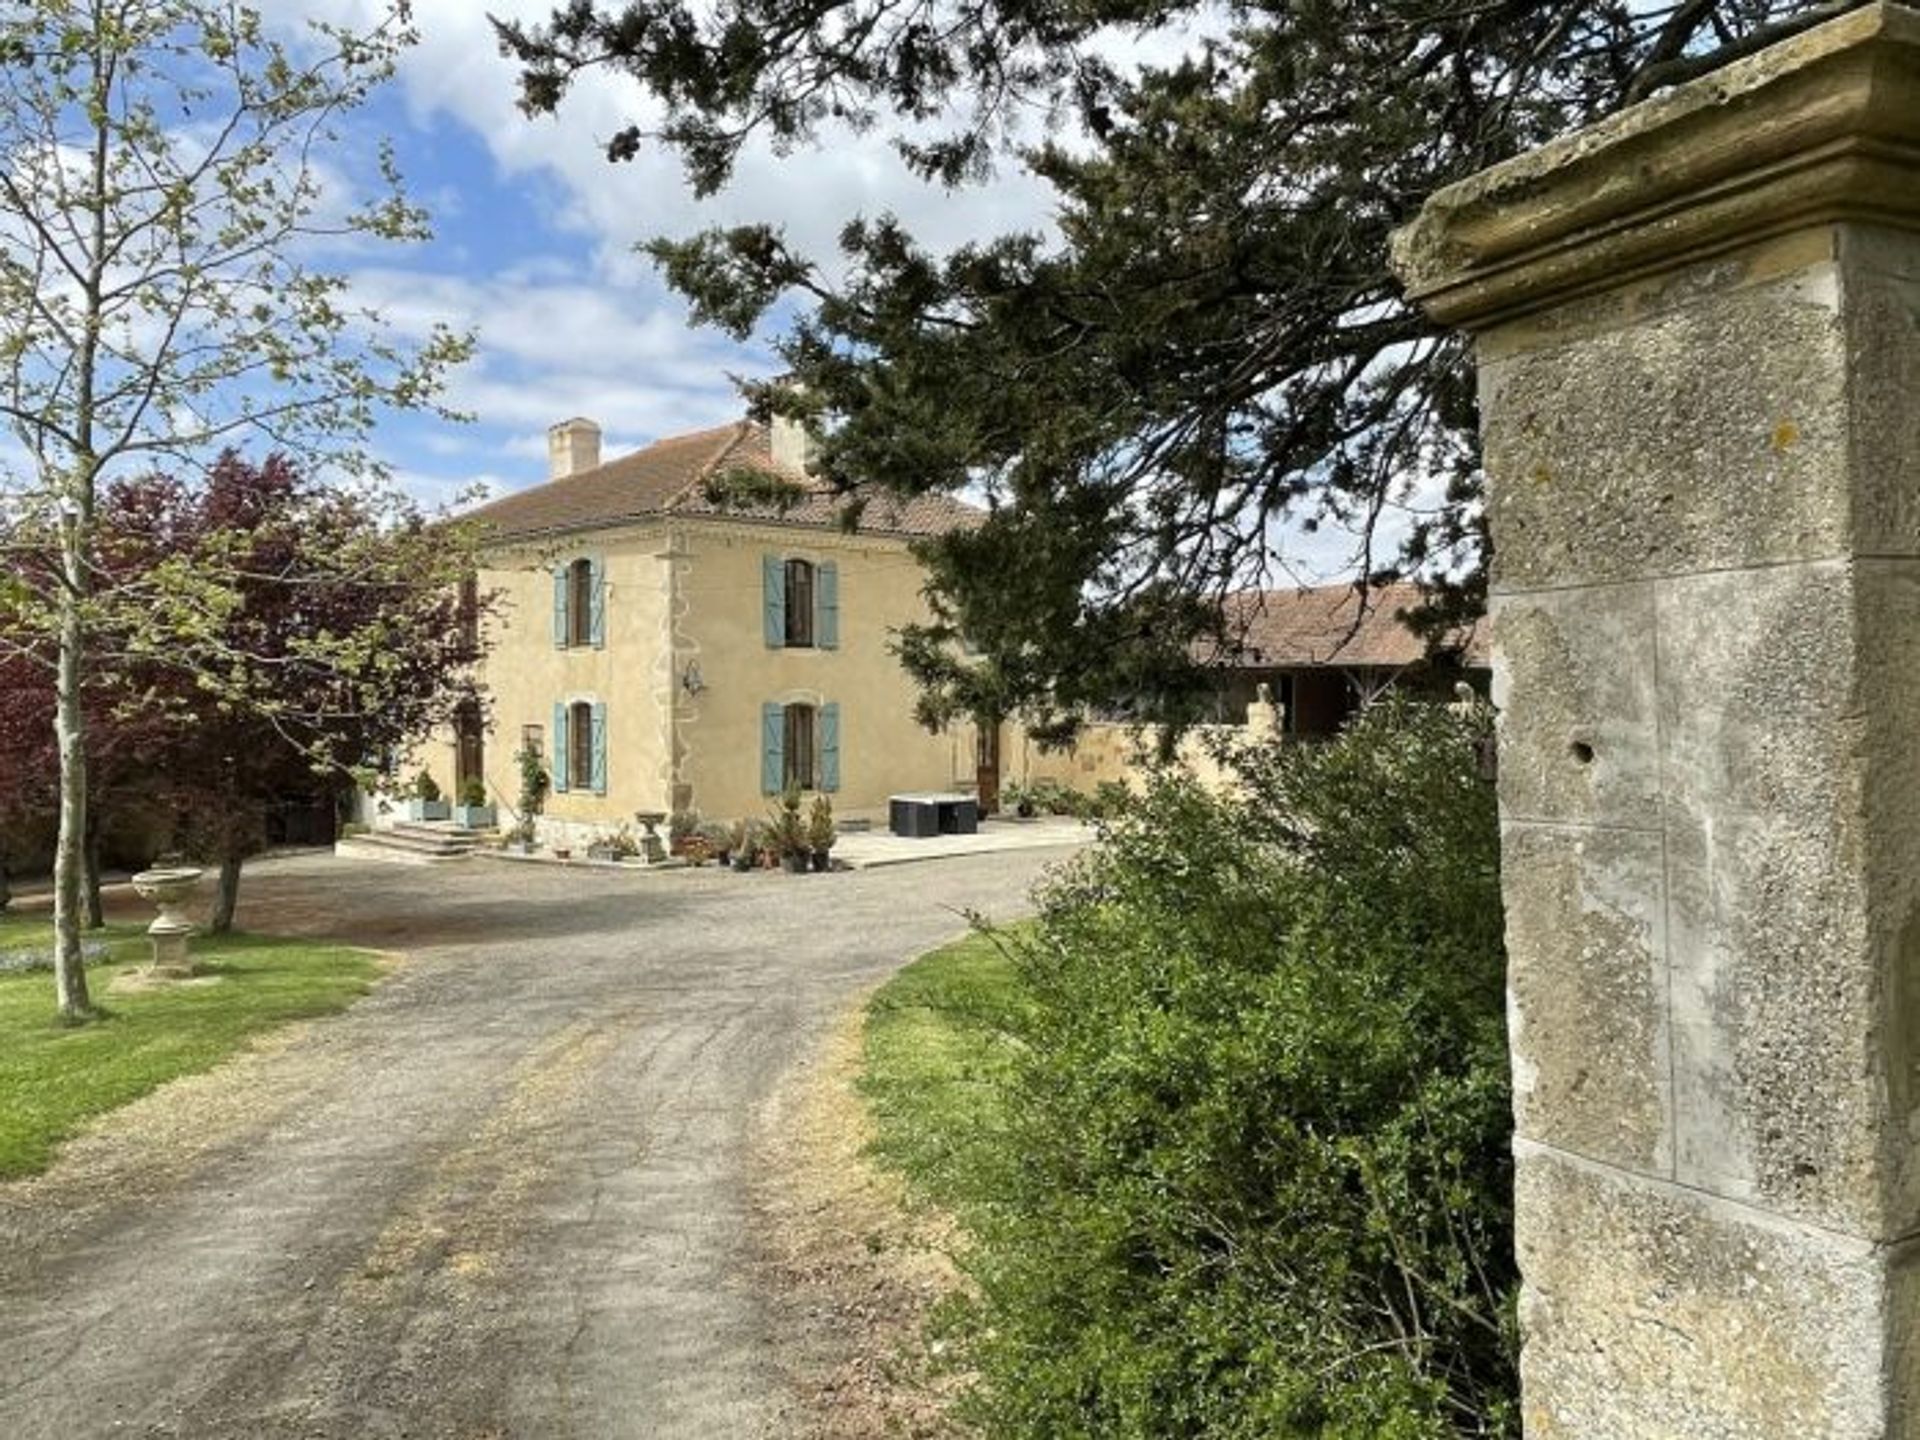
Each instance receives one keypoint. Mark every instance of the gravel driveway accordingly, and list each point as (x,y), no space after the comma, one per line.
(503,1196)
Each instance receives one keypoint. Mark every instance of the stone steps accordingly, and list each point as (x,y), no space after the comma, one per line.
(415,843)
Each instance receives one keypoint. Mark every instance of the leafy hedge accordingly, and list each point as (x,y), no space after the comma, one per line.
(1253,1151)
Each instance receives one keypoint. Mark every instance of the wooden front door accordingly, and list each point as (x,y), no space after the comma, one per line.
(987,766)
(470,755)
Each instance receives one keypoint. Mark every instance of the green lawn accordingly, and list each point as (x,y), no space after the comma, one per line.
(939,1039)
(53,1078)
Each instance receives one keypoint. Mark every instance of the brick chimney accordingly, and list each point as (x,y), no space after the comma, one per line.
(573,446)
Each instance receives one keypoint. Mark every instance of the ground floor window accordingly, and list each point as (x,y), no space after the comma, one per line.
(580,743)
(800,745)
(799,750)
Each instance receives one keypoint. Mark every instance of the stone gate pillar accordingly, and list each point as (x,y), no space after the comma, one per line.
(1698,329)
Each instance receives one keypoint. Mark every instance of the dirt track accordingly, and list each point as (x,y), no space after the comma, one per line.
(507,1195)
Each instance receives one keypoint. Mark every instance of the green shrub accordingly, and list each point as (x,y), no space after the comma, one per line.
(821,831)
(1256,1177)
(786,828)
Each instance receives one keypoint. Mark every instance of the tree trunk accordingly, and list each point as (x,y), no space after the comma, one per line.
(228,894)
(75,493)
(96,913)
(69,726)
(6,886)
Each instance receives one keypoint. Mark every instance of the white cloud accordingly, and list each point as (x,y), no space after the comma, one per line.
(606,338)
(456,71)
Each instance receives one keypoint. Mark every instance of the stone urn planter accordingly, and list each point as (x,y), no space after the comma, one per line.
(168,890)
(652,848)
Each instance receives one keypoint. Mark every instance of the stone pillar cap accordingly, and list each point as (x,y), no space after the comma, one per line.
(1820,128)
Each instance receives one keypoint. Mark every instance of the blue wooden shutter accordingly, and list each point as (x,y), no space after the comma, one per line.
(773,586)
(559,745)
(597,588)
(826,605)
(830,746)
(599,776)
(773,749)
(560,588)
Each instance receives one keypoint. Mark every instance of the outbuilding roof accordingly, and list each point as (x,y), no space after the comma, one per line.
(1332,625)
(670,477)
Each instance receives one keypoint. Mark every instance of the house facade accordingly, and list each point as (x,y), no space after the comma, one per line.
(664,645)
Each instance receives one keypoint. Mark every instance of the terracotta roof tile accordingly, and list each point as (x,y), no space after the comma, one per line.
(1327,626)
(669,477)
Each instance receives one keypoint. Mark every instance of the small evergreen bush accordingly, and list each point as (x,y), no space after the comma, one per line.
(1256,1168)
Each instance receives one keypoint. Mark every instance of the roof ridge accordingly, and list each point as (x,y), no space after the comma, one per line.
(736,432)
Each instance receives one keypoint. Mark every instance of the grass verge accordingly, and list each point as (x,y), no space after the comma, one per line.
(939,1042)
(54,1078)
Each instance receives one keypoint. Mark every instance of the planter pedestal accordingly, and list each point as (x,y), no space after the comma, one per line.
(168,890)
(652,848)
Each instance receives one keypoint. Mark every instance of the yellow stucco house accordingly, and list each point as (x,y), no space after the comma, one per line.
(666,648)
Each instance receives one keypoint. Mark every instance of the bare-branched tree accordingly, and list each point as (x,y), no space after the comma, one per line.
(172,182)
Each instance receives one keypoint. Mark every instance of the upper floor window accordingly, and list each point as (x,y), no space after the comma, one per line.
(579,604)
(799,603)
(469,612)
(802,603)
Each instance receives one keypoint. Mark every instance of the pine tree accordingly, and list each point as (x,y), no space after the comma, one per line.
(1211,348)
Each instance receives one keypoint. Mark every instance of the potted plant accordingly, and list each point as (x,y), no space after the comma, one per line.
(426,803)
(746,845)
(787,833)
(473,811)
(618,845)
(534,785)
(718,840)
(820,832)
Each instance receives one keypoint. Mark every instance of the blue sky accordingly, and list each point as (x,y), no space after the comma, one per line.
(534,250)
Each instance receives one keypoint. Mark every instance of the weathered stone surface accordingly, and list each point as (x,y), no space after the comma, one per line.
(1889,649)
(1653,1313)
(1587,991)
(1767,145)
(1699,331)
(1880,279)
(1779,1005)
(1574,676)
(1709,435)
